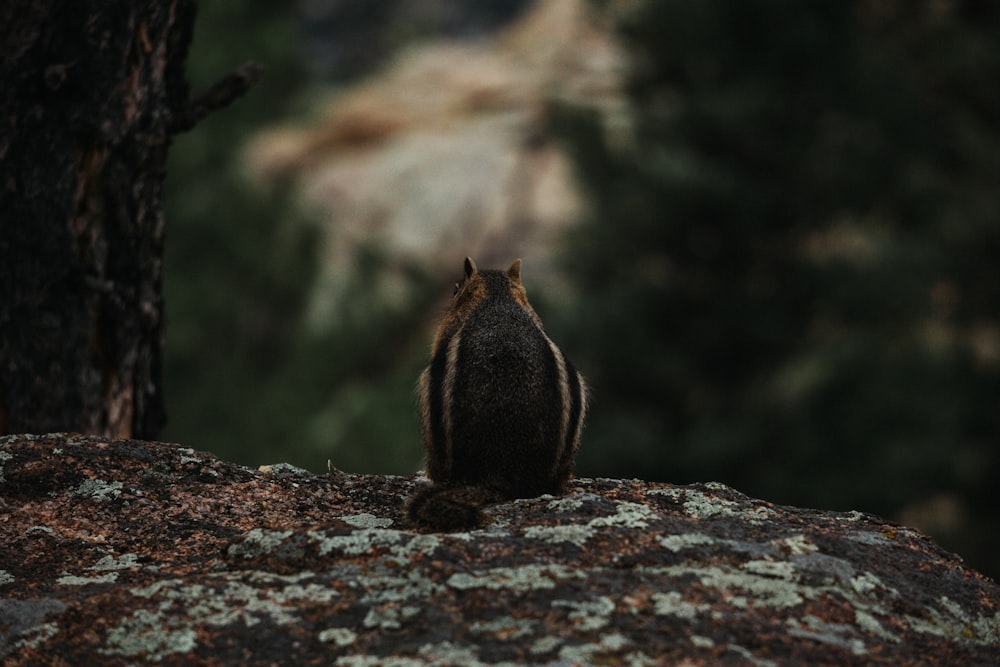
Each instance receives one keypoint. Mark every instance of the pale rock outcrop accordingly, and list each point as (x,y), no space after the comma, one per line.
(444,154)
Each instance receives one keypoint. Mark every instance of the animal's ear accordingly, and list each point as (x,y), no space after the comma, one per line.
(470,267)
(514,272)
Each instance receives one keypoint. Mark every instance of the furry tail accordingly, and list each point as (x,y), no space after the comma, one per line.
(443,508)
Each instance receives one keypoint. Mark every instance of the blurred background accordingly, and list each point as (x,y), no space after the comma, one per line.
(766,231)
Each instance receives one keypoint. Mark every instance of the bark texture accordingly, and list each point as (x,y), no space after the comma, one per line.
(90,91)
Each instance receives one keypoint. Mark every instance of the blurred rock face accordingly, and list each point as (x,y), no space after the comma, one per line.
(443,153)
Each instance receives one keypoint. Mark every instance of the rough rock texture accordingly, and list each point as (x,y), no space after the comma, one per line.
(444,153)
(118,552)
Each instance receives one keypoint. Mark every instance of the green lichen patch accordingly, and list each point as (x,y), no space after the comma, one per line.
(366,520)
(591,614)
(627,515)
(680,542)
(4,457)
(674,604)
(339,636)
(596,652)
(99,489)
(520,579)
(710,502)
(110,562)
(176,609)
(73,580)
(505,627)
(151,636)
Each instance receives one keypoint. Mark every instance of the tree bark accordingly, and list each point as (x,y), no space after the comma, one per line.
(92,92)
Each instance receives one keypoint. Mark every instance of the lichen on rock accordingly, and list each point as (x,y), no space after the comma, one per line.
(128,551)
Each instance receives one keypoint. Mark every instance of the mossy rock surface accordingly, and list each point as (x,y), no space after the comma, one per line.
(129,552)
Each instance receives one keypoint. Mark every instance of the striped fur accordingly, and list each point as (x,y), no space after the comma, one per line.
(502,409)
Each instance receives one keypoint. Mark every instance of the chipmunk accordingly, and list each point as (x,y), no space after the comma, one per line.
(502,409)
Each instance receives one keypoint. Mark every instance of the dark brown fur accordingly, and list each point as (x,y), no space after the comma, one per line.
(502,408)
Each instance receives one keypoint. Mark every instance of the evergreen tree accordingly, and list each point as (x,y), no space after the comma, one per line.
(788,280)
(239,261)
(246,377)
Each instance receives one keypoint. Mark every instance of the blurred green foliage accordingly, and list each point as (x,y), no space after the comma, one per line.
(245,376)
(236,270)
(788,282)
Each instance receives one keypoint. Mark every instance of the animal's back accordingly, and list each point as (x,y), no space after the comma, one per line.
(501,407)
(503,424)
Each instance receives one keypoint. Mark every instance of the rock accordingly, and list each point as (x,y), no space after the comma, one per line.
(444,153)
(118,552)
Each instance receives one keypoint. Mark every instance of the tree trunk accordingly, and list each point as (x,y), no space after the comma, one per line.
(91,94)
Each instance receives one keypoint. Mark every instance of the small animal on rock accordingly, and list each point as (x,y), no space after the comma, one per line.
(502,409)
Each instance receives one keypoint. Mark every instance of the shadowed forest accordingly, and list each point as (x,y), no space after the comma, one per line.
(766,231)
